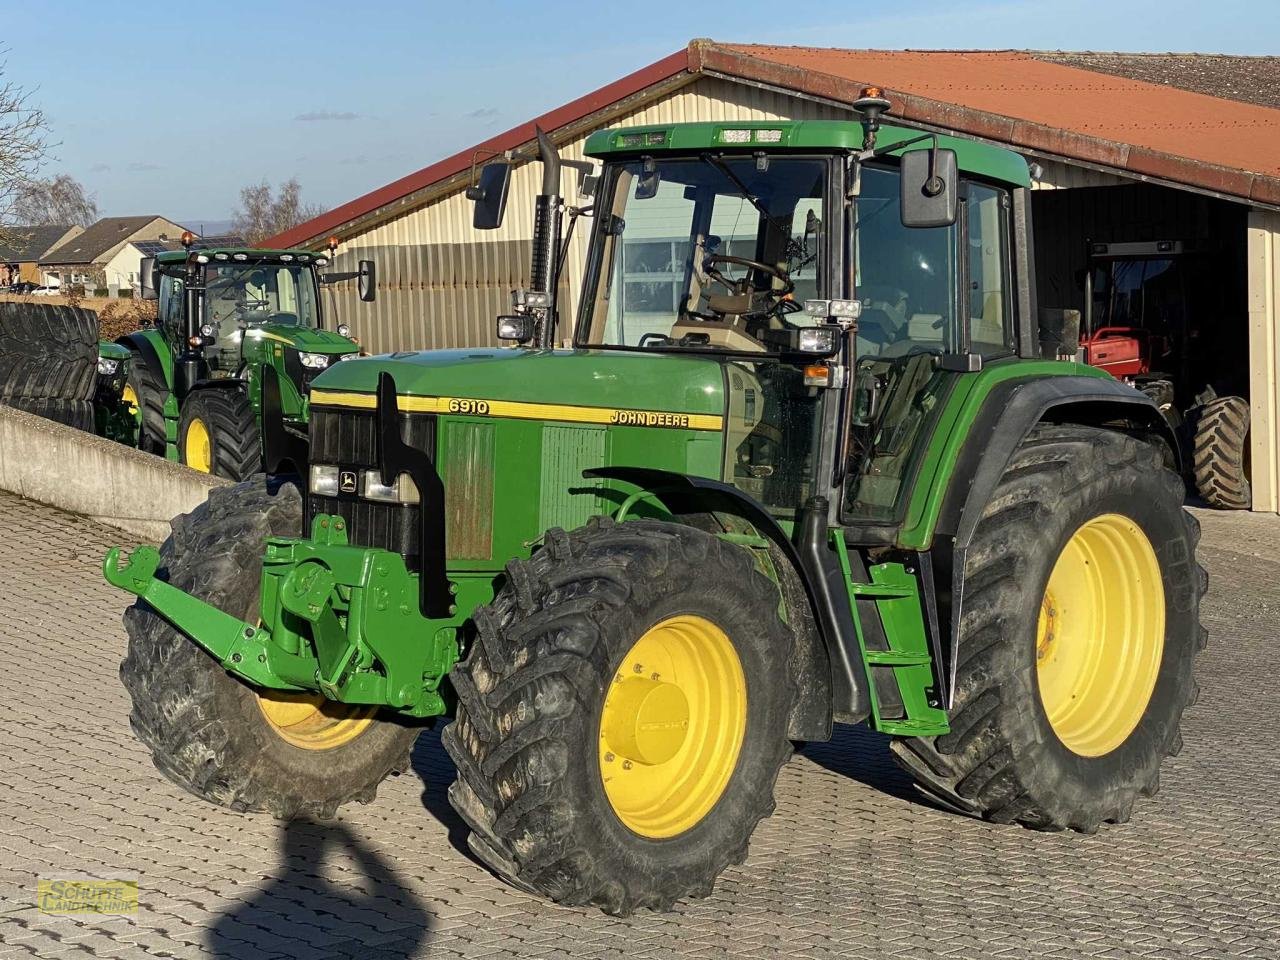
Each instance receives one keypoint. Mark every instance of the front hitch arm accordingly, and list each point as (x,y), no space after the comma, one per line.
(240,647)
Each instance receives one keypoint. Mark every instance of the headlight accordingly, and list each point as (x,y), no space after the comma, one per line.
(206,330)
(348,356)
(324,480)
(402,490)
(344,330)
(316,361)
(108,367)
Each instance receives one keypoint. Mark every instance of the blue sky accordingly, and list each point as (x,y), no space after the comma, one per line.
(171,108)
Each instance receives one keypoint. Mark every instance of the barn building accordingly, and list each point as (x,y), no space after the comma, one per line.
(1158,177)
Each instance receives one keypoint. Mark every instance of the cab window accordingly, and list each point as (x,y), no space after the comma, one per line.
(990,303)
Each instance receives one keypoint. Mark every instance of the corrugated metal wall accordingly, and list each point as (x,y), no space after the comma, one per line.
(441,283)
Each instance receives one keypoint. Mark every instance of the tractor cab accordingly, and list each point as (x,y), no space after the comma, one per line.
(225,312)
(1136,308)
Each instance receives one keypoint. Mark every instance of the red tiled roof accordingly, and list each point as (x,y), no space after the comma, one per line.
(1011,97)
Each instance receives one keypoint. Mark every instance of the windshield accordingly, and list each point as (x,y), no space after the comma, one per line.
(709,253)
(260,293)
(1137,293)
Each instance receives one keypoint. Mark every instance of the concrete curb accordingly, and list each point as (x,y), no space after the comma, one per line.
(78,472)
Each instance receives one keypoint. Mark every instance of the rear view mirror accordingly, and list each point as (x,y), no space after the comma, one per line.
(367,280)
(490,195)
(647,184)
(147,279)
(930,188)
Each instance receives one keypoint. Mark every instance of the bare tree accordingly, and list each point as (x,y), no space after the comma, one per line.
(23,145)
(60,200)
(264,212)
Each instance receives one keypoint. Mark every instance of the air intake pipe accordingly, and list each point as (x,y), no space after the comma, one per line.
(547,212)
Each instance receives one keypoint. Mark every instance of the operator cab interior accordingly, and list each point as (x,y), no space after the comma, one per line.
(711,251)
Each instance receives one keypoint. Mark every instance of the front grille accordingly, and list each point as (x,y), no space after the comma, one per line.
(348,440)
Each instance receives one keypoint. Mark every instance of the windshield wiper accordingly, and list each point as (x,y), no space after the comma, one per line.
(747,195)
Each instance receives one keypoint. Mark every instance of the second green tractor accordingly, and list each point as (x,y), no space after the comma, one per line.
(228,321)
(795,462)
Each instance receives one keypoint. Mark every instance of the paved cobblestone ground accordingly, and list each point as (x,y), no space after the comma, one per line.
(851,865)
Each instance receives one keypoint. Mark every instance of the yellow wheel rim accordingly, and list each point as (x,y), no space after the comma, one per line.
(309,721)
(1100,635)
(196,447)
(672,726)
(130,399)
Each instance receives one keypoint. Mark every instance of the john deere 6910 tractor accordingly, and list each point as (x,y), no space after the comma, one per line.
(795,462)
(228,321)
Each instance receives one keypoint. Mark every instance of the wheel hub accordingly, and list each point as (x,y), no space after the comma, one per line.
(1100,635)
(197,448)
(672,725)
(649,720)
(309,721)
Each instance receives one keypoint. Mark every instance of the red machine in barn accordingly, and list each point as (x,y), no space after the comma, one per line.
(1148,320)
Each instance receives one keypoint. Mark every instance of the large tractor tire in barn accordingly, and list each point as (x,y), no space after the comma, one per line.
(1220,453)
(219,434)
(71,413)
(1078,631)
(622,715)
(227,742)
(48,352)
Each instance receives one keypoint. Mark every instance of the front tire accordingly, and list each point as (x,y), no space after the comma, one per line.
(622,715)
(219,433)
(1077,635)
(217,737)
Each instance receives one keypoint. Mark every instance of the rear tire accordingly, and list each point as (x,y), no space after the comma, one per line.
(1005,759)
(1220,452)
(549,805)
(219,433)
(207,731)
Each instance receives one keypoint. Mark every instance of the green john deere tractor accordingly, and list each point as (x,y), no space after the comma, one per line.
(795,462)
(229,321)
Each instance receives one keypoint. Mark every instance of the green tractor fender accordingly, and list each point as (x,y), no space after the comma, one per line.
(832,679)
(154,352)
(1006,416)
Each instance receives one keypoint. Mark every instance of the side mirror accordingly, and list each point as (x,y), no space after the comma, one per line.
(147,279)
(930,188)
(367,280)
(490,195)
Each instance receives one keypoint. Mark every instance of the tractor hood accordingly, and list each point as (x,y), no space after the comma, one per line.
(621,383)
(305,339)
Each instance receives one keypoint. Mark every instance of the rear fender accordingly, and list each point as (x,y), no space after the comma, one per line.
(1008,415)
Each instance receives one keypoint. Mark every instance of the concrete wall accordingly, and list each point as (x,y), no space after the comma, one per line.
(78,472)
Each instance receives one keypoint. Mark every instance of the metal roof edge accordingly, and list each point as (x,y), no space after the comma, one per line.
(392,199)
(1242,185)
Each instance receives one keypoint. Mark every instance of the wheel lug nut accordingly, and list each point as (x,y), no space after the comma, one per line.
(608,758)
(638,669)
(626,764)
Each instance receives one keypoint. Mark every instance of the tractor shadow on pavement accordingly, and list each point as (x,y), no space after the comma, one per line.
(433,766)
(863,755)
(331,895)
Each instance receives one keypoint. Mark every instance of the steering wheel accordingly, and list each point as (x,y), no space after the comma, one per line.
(744,285)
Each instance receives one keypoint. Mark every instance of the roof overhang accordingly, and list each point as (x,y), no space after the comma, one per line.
(756,67)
